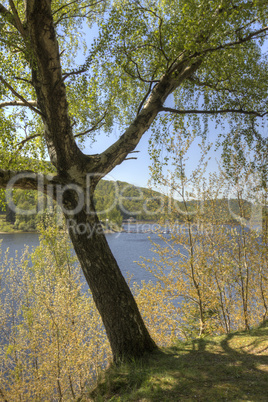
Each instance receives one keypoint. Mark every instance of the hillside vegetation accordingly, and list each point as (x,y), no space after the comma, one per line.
(117,201)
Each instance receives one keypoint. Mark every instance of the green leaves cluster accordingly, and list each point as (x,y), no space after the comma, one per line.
(109,79)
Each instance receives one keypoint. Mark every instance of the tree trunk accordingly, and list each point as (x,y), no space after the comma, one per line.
(126,331)
(10,215)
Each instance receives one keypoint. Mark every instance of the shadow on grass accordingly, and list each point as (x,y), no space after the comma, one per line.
(227,368)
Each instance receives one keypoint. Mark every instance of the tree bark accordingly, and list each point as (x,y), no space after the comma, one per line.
(126,331)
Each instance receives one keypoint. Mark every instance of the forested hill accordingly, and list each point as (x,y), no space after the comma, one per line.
(117,197)
(127,200)
(116,201)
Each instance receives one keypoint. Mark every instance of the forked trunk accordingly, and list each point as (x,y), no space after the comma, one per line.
(126,331)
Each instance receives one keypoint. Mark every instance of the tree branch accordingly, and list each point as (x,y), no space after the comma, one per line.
(79,8)
(65,5)
(145,96)
(93,127)
(66,75)
(24,80)
(217,88)
(88,131)
(116,153)
(221,111)
(21,143)
(26,103)
(201,53)
(66,16)
(8,16)
(12,19)
(17,103)
(159,28)
(234,43)
(136,67)
(139,77)
(26,180)
(17,19)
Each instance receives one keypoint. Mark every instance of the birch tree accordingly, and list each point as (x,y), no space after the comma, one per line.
(208,54)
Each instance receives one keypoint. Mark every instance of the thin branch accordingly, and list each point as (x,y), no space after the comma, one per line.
(26,103)
(137,68)
(24,80)
(88,131)
(237,42)
(80,8)
(180,59)
(66,15)
(66,75)
(16,48)
(246,25)
(144,98)
(176,63)
(17,103)
(197,81)
(159,28)
(17,18)
(194,111)
(20,144)
(8,16)
(65,5)
(95,127)
(138,77)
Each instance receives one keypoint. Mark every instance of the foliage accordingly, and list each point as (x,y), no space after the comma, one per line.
(211,277)
(129,200)
(108,78)
(52,339)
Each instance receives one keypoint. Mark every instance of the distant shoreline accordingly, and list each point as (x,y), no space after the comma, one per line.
(19,232)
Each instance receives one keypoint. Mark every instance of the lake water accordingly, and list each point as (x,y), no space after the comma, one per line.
(126,247)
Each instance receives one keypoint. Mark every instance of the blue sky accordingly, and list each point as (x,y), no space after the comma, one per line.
(137,171)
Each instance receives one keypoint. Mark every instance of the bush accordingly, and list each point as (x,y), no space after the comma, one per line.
(53,341)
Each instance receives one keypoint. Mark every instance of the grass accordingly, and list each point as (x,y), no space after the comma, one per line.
(232,367)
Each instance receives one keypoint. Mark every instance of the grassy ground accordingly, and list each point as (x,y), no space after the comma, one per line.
(233,367)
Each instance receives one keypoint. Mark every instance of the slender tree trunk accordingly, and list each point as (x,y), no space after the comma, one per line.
(126,331)
(10,215)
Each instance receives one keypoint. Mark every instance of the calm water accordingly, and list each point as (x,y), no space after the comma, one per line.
(126,247)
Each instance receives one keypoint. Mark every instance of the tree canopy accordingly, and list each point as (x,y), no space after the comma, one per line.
(208,54)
